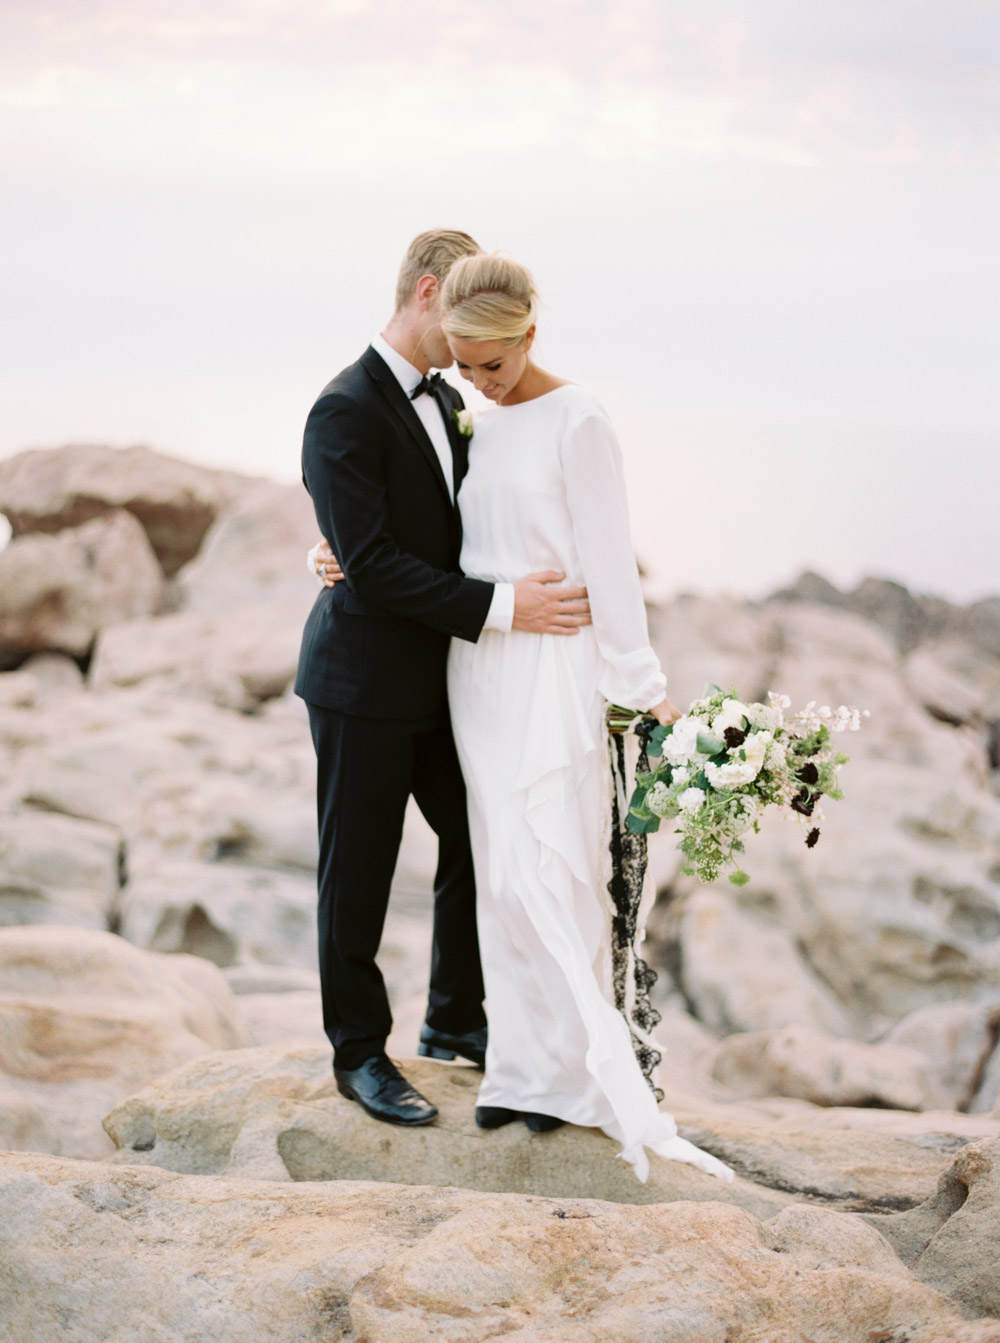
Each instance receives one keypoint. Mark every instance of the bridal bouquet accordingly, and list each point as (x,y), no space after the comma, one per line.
(723,762)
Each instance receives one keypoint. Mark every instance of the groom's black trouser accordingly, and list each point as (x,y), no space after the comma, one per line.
(367,768)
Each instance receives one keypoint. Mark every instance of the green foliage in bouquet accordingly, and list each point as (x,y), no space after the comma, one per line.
(723,762)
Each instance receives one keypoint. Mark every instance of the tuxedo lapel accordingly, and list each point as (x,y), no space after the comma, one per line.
(401,406)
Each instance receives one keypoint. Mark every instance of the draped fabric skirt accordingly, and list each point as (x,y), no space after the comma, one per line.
(529,728)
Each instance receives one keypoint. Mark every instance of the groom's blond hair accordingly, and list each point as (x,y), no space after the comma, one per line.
(431,253)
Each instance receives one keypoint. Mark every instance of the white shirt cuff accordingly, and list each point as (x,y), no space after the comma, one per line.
(500,616)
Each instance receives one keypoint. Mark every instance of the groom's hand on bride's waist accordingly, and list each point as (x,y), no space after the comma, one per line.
(541,606)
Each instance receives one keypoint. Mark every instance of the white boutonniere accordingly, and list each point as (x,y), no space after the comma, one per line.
(463,422)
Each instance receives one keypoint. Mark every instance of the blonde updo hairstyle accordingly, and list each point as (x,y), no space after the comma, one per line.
(488,297)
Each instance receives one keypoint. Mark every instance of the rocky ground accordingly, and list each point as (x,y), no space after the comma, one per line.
(180,1166)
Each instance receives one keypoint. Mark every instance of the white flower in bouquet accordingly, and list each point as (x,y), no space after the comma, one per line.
(761,718)
(732,775)
(755,749)
(682,744)
(679,776)
(658,799)
(742,814)
(777,756)
(731,714)
(691,799)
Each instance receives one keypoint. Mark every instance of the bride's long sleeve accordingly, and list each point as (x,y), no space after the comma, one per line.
(595,491)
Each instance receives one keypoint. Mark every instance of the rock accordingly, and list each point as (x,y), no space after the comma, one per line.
(814,588)
(893,608)
(864,1161)
(19,690)
(58,592)
(815,1067)
(237,659)
(897,908)
(719,639)
(116,1254)
(953,680)
(179,778)
(255,553)
(934,1059)
(293,1018)
(739,975)
(950,1242)
(956,1041)
(987,1098)
(820,1238)
(109,773)
(245,600)
(49,489)
(85,1019)
(272,980)
(55,673)
(226,913)
(276,1114)
(57,870)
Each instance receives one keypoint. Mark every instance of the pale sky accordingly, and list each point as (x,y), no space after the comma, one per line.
(764,232)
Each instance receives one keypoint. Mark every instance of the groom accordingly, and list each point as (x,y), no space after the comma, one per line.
(383,458)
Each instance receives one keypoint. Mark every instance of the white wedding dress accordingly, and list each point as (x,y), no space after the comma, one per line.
(545,490)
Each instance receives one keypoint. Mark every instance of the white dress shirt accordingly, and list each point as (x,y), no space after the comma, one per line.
(500,616)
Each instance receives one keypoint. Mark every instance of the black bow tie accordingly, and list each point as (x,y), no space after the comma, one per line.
(426,384)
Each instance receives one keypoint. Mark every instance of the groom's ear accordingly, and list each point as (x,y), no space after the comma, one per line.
(427,290)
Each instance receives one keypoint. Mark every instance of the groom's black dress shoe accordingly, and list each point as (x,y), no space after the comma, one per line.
(542,1123)
(383,1092)
(439,1045)
(495,1116)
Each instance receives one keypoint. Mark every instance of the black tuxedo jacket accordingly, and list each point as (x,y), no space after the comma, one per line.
(376,645)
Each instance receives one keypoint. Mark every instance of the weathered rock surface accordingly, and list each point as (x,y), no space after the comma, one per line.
(237,659)
(85,1019)
(255,552)
(230,915)
(56,869)
(58,592)
(796,1061)
(276,1114)
(951,1240)
(245,600)
(48,489)
(934,1059)
(126,1253)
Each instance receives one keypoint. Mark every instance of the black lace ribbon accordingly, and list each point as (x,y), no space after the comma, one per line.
(628,876)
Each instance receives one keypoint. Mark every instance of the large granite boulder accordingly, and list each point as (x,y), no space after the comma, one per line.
(48,489)
(57,869)
(85,1019)
(230,914)
(245,600)
(58,592)
(117,1254)
(255,552)
(274,1113)
(236,659)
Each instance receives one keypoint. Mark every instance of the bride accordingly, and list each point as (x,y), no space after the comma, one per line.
(545,490)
